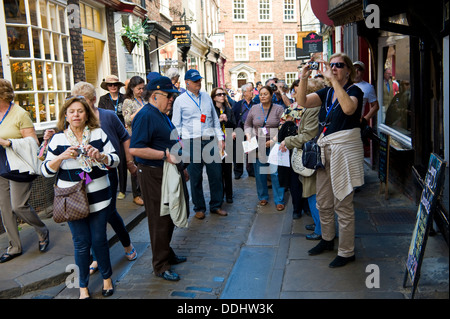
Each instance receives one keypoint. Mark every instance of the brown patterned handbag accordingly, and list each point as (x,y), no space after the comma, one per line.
(71,203)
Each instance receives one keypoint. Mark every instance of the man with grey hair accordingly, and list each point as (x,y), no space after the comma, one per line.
(174,75)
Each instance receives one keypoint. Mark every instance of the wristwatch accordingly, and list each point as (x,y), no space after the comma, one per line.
(164,156)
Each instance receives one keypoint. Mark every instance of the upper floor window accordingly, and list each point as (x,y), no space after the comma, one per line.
(239,12)
(241,47)
(265,10)
(266,46)
(90,18)
(164,6)
(289,11)
(290,43)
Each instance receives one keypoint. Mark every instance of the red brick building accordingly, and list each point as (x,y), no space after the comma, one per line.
(260,40)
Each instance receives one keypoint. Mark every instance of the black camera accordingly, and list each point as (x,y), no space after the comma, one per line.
(313,65)
(274,87)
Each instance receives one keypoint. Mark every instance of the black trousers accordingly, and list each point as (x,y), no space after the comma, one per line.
(227,169)
(160,227)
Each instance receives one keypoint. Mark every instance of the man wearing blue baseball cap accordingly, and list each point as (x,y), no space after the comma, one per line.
(196,119)
(150,144)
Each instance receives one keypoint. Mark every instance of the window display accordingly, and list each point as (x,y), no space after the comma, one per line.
(38,52)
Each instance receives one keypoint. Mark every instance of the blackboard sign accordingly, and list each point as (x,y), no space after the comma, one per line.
(182,33)
(431,190)
(313,43)
(383,161)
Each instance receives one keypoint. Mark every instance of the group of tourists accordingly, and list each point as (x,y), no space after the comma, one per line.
(165,138)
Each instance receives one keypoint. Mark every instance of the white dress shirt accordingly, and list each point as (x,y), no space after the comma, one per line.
(186,116)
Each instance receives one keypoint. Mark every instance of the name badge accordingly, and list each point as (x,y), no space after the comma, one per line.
(264,130)
(203,118)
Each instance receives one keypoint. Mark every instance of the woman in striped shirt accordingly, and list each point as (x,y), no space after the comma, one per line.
(82,147)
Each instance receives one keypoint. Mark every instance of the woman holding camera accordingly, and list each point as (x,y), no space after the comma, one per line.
(341,152)
(82,147)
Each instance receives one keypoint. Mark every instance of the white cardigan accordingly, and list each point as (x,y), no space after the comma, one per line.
(346,160)
(172,196)
(22,156)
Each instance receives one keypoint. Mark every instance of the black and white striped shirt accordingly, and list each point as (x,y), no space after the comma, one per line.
(98,191)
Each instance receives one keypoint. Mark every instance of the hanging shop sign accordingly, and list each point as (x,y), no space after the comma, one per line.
(182,33)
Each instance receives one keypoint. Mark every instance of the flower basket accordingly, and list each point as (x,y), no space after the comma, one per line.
(129,45)
(134,35)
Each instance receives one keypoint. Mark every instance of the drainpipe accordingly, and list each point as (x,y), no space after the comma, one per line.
(206,61)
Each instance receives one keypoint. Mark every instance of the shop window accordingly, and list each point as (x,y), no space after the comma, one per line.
(394,86)
(36,57)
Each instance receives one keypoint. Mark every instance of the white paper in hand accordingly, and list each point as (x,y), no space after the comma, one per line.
(277,157)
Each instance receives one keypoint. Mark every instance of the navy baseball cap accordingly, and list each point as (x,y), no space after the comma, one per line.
(192,75)
(152,75)
(162,83)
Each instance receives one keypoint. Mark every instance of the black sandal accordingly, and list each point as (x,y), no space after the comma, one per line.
(7,257)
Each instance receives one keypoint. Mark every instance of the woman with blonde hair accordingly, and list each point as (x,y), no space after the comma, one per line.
(341,152)
(16,126)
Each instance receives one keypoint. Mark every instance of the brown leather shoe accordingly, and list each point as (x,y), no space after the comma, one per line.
(280,207)
(263,202)
(200,215)
(138,201)
(220,212)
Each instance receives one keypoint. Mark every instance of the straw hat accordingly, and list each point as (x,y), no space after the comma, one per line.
(110,79)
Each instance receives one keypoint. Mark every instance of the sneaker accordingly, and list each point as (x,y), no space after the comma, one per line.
(121,196)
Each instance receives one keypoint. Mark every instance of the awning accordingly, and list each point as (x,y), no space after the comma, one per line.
(320,8)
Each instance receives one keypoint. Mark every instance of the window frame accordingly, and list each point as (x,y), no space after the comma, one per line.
(269,9)
(292,46)
(245,37)
(294,11)
(44,98)
(261,41)
(235,8)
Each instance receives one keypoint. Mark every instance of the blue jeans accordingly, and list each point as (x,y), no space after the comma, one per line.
(261,172)
(315,214)
(213,170)
(91,232)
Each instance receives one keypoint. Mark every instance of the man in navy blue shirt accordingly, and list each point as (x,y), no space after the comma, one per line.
(154,135)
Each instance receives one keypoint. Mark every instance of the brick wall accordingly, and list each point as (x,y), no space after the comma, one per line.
(253,29)
(76,42)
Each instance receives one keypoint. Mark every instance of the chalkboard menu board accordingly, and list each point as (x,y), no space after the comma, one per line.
(383,167)
(431,190)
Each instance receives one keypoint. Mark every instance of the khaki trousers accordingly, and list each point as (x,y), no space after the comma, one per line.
(14,198)
(327,205)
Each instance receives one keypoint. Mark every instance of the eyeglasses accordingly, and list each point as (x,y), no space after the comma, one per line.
(339,65)
(221,94)
(168,95)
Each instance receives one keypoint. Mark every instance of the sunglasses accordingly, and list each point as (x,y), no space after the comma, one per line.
(221,94)
(112,84)
(339,65)
(75,97)
(168,95)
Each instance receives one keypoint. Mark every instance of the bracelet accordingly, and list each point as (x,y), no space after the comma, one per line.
(103,157)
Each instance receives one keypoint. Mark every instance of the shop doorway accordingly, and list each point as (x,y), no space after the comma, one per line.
(93,53)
